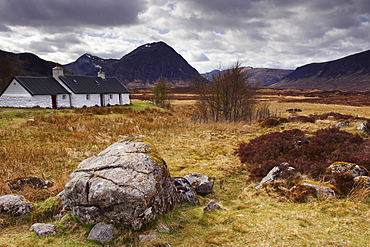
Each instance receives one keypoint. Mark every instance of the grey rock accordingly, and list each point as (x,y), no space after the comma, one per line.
(186,191)
(163,227)
(128,183)
(322,191)
(362,180)
(32,181)
(212,205)
(342,124)
(15,205)
(354,169)
(282,171)
(42,229)
(363,127)
(202,184)
(102,233)
(147,237)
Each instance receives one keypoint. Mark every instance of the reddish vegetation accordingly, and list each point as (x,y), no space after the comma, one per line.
(310,158)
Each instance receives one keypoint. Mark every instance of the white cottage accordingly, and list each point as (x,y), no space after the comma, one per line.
(64,91)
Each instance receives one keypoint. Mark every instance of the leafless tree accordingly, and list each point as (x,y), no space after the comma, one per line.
(228,97)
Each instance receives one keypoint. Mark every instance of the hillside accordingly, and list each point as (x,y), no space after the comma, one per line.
(141,67)
(262,76)
(22,64)
(351,73)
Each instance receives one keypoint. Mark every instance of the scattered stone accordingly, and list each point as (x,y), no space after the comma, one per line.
(32,181)
(152,236)
(341,124)
(129,183)
(362,180)
(364,127)
(211,206)
(42,229)
(322,190)
(293,110)
(102,233)
(202,184)
(15,205)
(354,169)
(282,171)
(163,227)
(186,191)
(302,142)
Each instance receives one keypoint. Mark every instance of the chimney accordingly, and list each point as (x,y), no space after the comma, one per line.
(57,71)
(101,74)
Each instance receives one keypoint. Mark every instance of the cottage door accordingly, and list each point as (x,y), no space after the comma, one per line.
(102,100)
(54,101)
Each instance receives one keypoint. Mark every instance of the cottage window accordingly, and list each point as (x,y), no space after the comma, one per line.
(64,96)
(111,96)
(87,96)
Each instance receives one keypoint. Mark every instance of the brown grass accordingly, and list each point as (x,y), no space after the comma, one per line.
(52,146)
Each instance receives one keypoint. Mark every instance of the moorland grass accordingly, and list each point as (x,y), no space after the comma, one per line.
(53,145)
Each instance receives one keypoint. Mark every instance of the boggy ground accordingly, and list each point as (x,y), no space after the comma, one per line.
(53,145)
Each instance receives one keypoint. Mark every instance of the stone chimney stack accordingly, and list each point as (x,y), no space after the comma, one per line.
(57,71)
(101,74)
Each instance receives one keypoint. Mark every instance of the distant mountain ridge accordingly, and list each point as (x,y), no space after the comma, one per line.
(140,68)
(351,73)
(262,76)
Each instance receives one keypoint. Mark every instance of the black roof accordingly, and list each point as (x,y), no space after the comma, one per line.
(41,85)
(93,85)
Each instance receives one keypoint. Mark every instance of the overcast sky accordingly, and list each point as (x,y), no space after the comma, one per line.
(209,34)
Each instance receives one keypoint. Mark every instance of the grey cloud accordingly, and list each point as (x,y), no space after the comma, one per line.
(69,13)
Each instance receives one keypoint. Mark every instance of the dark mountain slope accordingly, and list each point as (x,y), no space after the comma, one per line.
(351,73)
(23,64)
(141,67)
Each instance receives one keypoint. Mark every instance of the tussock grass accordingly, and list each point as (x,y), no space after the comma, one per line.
(54,144)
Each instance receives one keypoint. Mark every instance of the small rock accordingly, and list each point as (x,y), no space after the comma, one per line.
(341,125)
(362,180)
(32,181)
(211,206)
(186,191)
(148,237)
(282,171)
(354,169)
(102,233)
(322,190)
(202,184)
(163,227)
(15,205)
(364,127)
(42,229)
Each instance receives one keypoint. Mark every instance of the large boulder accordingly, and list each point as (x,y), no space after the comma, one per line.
(128,183)
(282,171)
(364,127)
(15,205)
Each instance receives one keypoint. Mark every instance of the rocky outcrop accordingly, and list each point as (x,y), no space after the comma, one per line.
(15,205)
(364,127)
(128,183)
(282,171)
(202,184)
(32,181)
